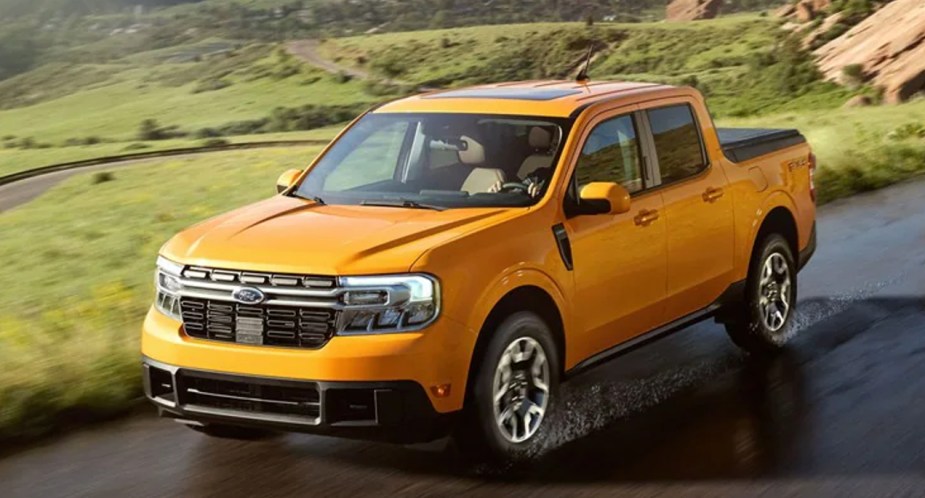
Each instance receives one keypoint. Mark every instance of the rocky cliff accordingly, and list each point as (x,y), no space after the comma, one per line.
(692,10)
(887,49)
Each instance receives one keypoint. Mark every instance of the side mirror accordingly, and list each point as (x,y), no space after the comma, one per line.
(604,198)
(286,179)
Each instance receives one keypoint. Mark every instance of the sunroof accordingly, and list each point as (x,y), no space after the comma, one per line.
(505,93)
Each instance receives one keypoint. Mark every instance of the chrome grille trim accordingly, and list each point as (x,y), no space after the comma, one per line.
(251,277)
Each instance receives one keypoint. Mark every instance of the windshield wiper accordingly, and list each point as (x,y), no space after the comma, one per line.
(318,200)
(403,203)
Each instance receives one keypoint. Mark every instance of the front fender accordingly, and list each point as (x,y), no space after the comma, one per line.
(511,280)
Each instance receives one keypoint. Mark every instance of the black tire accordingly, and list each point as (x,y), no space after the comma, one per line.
(223,431)
(478,435)
(747,325)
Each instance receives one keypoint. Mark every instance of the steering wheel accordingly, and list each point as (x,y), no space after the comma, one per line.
(513,186)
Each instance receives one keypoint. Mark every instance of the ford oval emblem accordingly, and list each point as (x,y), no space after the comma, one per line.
(248,295)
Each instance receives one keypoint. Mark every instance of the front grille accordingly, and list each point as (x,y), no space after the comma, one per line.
(200,390)
(269,325)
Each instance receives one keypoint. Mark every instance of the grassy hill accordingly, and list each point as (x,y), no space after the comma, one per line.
(216,81)
(740,62)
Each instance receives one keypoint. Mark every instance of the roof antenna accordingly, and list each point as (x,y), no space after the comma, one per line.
(583,74)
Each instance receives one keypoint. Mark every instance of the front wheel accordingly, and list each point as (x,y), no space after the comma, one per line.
(513,391)
(765,324)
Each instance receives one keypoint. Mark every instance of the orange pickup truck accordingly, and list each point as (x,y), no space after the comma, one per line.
(451,257)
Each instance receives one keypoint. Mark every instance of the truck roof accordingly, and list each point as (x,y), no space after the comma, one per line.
(552,98)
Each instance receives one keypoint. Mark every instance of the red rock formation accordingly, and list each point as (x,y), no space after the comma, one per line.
(890,47)
(692,10)
(804,10)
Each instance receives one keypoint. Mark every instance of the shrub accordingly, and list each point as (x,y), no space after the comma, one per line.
(211,85)
(391,64)
(83,141)
(136,146)
(203,133)
(215,142)
(854,74)
(382,89)
(102,177)
(907,131)
(150,129)
(342,77)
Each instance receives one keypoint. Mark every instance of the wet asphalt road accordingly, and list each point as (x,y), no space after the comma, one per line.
(841,414)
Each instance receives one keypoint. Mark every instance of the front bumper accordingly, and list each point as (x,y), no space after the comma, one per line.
(396,411)
(434,357)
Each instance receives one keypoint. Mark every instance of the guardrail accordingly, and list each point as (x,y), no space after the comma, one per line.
(53,168)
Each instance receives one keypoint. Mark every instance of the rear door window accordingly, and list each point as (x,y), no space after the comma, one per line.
(678,145)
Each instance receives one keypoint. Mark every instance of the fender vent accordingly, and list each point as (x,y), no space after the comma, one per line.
(565,247)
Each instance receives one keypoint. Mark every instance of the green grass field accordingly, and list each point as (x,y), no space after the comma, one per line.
(72,347)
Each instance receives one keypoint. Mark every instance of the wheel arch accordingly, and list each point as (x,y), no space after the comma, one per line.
(528,297)
(780,220)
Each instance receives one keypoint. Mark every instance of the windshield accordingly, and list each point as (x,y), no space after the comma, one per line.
(438,161)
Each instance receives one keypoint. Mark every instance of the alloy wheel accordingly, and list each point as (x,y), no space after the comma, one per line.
(521,389)
(774,289)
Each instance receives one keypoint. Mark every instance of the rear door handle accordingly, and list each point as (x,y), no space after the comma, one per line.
(712,194)
(646,217)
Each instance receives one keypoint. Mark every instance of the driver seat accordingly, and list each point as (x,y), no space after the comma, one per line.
(481,178)
(540,140)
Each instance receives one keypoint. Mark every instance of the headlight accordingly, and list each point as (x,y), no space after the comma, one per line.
(167,282)
(388,303)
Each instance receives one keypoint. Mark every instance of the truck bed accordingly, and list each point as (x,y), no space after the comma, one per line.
(742,144)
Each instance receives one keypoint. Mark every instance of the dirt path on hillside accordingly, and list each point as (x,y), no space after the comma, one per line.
(307,51)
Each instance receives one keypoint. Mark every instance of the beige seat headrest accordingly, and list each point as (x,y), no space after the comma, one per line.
(474,154)
(482,179)
(540,138)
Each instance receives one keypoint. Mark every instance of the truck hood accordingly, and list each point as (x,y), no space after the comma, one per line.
(290,235)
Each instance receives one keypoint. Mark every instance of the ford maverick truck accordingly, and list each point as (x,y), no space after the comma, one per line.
(451,257)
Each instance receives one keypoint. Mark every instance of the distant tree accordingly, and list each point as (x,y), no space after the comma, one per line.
(18,51)
(439,20)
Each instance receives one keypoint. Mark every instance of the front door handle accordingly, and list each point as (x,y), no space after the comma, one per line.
(646,217)
(712,194)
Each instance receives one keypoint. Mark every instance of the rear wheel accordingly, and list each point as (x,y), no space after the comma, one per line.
(512,393)
(764,324)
